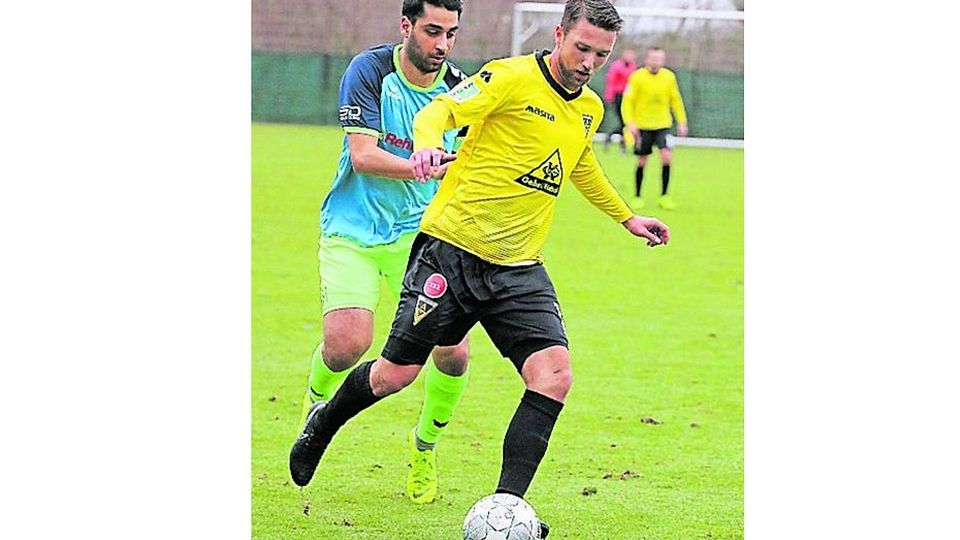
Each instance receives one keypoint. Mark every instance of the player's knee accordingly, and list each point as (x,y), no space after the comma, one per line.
(452,360)
(389,378)
(549,373)
(560,383)
(343,351)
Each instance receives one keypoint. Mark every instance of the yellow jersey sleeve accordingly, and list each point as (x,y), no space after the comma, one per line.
(589,179)
(676,102)
(474,99)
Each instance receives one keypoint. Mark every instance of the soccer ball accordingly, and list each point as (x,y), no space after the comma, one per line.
(501,517)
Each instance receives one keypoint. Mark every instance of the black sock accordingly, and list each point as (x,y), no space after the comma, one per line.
(666,179)
(639,178)
(526,440)
(354,396)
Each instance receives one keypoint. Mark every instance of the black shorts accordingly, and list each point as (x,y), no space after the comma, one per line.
(447,290)
(649,137)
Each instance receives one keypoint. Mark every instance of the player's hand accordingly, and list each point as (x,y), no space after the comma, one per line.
(682,130)
(442,171)
(632,128)
(426,163)
(652,229)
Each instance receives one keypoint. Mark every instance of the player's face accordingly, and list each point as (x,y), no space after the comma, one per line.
(430,39)
(582,51)
(654,60)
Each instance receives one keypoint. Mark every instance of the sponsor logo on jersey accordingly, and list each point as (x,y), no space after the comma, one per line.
(587,122)
(464,91)
(423,308)
(546,176)
(540,112)
(435,286)
(349,112)
(397,142)
(486,76)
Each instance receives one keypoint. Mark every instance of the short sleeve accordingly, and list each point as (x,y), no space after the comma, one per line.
(360,96)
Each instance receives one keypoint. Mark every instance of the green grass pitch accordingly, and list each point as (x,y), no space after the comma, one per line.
(650,443)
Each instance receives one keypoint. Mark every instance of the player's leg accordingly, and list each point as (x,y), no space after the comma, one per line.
(444,384)
(420,324)
(666,158)
(349,292)
(642,148)
(618,113)
(367,384)
(527,327)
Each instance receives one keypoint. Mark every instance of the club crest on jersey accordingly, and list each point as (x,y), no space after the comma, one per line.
(546,176)
(423,308)
(587,122)
(435,286)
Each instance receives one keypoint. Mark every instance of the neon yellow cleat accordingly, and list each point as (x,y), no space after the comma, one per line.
(666,202)
(422,478)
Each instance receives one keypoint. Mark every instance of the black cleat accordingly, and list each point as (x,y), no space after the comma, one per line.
(309,447)
(544,530)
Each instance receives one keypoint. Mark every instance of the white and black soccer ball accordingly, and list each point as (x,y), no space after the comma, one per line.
(501,517)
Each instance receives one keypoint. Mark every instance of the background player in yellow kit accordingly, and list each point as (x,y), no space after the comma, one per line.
(478,257)
(652,94)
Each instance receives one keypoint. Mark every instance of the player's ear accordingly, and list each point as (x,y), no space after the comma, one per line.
(558,35)
(406,25)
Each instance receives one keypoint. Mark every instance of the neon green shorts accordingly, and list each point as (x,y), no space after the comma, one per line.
(350,273)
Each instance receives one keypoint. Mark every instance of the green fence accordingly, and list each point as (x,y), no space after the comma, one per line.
(303,88)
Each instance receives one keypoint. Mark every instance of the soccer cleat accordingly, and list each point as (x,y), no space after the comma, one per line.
(422,478)
(666,202)
(544,529)
(309,446)
(637,203)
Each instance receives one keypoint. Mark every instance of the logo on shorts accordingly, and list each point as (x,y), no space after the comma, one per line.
(424,307)
(560,314)
(435,286)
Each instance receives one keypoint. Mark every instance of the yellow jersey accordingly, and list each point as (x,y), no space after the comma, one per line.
(649,99)
(528,136)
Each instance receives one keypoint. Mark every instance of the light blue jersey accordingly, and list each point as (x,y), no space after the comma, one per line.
(376,98)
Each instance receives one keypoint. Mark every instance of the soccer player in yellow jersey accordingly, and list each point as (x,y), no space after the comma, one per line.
(652,94)
(478,257)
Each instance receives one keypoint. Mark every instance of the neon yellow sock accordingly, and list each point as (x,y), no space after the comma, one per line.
(324,382)
(442,393)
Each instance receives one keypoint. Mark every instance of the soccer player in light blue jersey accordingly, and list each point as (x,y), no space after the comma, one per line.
(372,212)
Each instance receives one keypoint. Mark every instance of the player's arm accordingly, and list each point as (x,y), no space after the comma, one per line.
(676,105)
(368,158)
(589,179)
(360,119)
(628,107)
(468,103)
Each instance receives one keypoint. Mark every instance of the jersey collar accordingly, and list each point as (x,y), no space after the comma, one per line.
(542,64)
(410,85)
